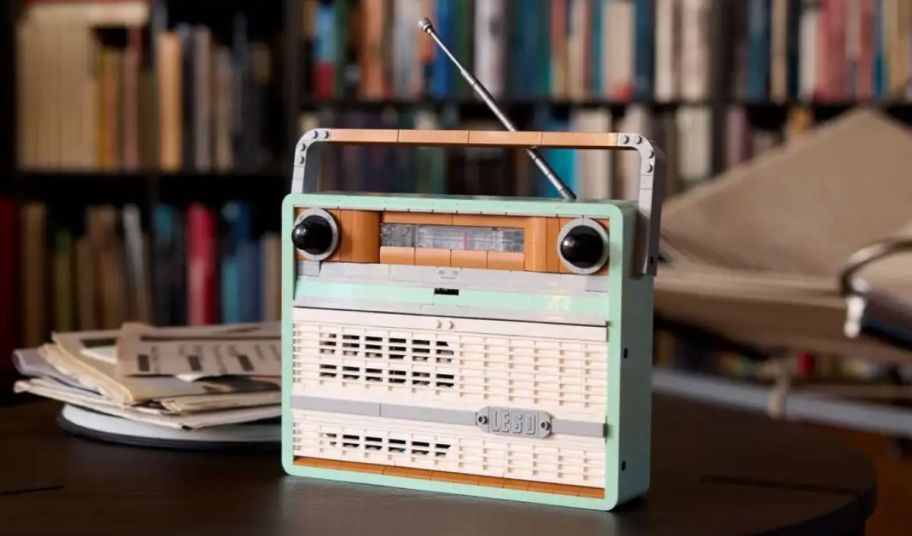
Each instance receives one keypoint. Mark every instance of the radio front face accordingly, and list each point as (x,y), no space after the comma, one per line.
(463,345)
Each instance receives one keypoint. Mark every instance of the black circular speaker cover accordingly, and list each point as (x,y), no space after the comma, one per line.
(313,234)
(582,247)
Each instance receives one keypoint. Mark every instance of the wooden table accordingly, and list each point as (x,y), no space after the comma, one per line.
(715,471)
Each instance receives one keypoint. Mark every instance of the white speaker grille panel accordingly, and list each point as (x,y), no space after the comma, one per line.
(464,449)
(452,368)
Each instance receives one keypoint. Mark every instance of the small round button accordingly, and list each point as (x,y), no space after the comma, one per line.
(313,234)
(582,247)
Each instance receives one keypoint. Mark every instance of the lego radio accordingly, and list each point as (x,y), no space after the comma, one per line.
(495,347)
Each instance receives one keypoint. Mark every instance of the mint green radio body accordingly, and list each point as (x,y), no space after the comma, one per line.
(495,347)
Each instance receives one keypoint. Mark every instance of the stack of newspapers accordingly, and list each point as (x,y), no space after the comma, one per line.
(185,378)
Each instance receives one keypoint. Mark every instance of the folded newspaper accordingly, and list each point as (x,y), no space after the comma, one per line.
(100,371)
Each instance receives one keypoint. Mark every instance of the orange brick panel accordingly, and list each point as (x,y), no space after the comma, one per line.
(344,222)
(397,255)
(464,258)
(422,218)
(502,260)
(432,257)
(365,231)
(536,244)
(479,220)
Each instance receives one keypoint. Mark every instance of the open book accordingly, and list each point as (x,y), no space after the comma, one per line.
(756,253)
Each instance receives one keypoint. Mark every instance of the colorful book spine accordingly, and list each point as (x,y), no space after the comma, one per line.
(202,263)
(594,45)
(489,47)
(793,48)
(864,81)
(644,58)
(558,44)
(10,317)
(442,69)
(758,50)
(325,51)
(342,54)
(462,46)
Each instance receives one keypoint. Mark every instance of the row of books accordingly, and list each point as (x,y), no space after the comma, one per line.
(829,50)
(105,85)
(686,135)
(615,50)
(175,265)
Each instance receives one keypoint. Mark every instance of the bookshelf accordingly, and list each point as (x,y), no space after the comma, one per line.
(727,93)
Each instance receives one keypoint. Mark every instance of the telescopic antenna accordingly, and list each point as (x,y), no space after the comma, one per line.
(482,92)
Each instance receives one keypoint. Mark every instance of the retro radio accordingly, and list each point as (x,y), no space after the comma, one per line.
(495,347)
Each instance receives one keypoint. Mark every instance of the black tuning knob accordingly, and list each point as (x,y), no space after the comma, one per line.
(313,234)
(582,247)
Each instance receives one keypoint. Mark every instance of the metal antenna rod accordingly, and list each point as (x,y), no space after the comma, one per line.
(482,92)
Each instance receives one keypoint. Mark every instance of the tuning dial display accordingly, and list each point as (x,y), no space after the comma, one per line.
(315,234)
(583,246)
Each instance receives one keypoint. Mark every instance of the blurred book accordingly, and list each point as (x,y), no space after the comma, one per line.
(145,97)
(10,315)
(105,265)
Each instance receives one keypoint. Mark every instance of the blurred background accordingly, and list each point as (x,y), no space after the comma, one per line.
(143,137)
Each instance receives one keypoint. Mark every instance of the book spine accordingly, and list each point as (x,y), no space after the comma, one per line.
(373,85)
(577,53)
(188,96)
(758,49)
(170,97)
(643,79)
(778,86)
(868,44)
(810,15)
(793,46)
(230,277)
(835,12)
(33,266)
(202,302)
(163,272)
(441,69)
(462,46)
(10,317)
(594,45)
(342,58)
(242,94)
(489,49)
(694,46)
(666,59)
(201,99)
(63,291)
(558,44)
(132,63)
(853,45)
(325,51)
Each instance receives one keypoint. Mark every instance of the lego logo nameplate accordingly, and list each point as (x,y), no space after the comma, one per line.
(512,421)
(494,347)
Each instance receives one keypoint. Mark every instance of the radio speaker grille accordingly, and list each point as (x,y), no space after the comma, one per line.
(579,461)
(564,376)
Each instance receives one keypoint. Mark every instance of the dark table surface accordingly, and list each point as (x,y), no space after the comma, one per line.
(715,471)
